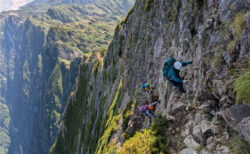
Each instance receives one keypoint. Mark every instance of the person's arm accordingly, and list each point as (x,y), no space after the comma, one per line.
(154,103)
(185,63)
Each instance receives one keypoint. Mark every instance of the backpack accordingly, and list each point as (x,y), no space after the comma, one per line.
(143,108)
(144,85)
(169,63)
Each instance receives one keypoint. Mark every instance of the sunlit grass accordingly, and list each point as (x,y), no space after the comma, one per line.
(242,88)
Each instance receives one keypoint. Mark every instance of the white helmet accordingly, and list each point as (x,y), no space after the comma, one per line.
(177,65)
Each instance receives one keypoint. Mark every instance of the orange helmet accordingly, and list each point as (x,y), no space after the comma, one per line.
(151,107)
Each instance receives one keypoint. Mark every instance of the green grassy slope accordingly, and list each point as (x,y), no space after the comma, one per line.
(82,28)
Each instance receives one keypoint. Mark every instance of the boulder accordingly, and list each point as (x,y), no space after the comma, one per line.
(205,126)
(188,151)
(222,149)
(190,142)
(203,151)
(243,129)
(235,114)
(197,133)
(210,140)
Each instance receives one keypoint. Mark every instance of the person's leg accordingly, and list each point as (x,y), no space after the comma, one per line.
(180,87)
(173,83)
(148,89)
(148,114)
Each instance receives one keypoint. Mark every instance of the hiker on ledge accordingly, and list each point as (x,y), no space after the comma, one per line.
(148,110)
(171,72)
(147,87)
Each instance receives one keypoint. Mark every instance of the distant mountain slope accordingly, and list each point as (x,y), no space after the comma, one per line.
(89,26)
(40,50)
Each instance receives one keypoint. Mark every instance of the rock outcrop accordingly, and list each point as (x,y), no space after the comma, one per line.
(244,128)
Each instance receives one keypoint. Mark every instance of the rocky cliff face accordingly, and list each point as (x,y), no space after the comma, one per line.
(38,85)
(39,60)
(102,116)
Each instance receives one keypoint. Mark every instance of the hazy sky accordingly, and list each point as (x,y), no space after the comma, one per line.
(6,5)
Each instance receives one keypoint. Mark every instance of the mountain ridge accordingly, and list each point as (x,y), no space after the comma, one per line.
(41,48)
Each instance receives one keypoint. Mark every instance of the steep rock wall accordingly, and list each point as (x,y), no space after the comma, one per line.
(103,113)
(38,85)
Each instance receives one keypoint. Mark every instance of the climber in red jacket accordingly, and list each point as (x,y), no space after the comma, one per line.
(148,110)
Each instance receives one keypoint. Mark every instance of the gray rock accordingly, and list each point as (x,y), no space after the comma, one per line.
(225,135)
(198,117)
(179,106)
(210,140)
(248,19)
(205,127)
(235,114)
(226,100)
(205,108)
(224,9)
(170,118)
(218,87)
(215,129)
(190,142)
(209,23)
(216,39)
(205,152)
(185,132)
(211,103)
(197,133)
(211,146)
(243,129)
(187,151)
(222,149)
(213,112)
(240,5)
(228,6)
(245,41)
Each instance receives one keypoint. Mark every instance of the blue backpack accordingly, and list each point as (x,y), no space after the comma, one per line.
(169,63)
(144,85)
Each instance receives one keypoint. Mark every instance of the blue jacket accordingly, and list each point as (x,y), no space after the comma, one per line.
(174,74)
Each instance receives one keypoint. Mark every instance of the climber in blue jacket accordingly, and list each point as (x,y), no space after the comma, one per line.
(171,72)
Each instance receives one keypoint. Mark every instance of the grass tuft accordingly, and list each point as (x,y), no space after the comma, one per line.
(238,25)
(152,140)
(242,88)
